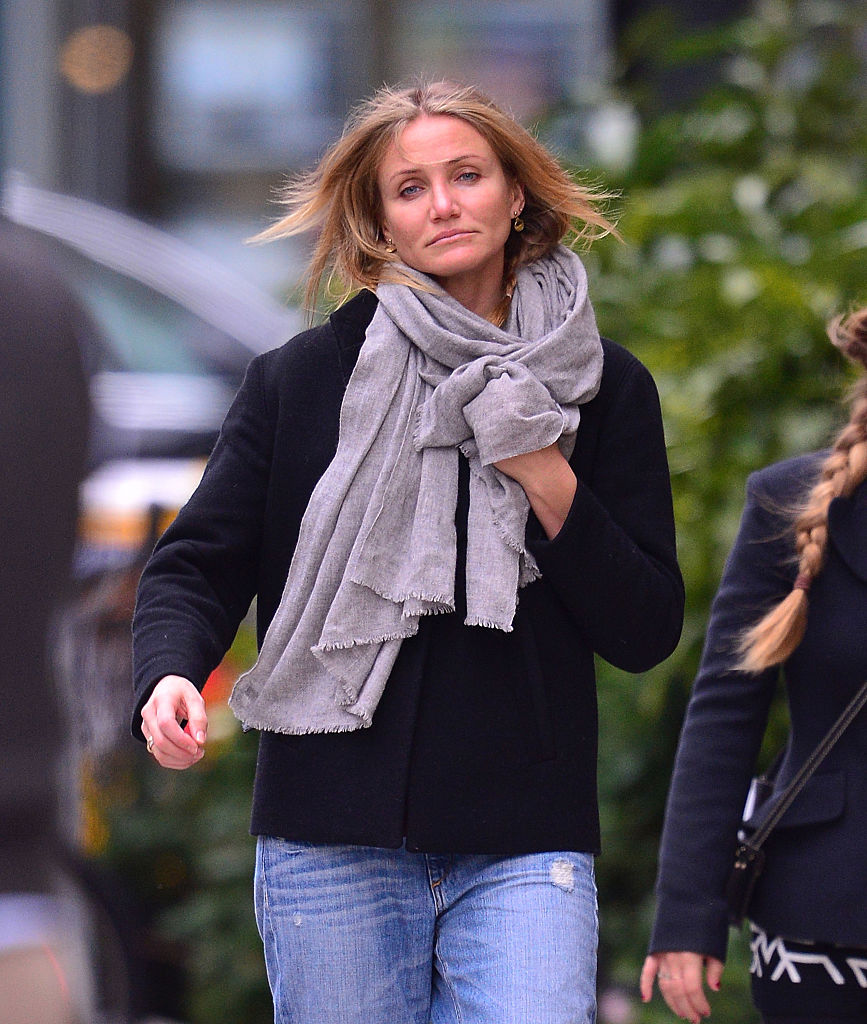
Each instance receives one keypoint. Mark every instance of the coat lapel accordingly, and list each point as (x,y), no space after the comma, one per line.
(349,324)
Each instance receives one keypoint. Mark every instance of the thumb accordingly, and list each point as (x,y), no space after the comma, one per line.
(197,718)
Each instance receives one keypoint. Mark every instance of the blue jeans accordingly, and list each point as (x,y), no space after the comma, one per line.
(362,935)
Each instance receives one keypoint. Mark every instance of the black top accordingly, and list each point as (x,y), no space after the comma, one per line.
(484,741)
(814,885)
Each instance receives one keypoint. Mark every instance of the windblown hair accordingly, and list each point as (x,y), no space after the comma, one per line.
(775,637)
(341,199)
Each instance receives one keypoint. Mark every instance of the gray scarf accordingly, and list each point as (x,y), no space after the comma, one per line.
(377,545)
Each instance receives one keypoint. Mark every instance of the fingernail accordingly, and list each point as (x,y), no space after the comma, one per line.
(200,737)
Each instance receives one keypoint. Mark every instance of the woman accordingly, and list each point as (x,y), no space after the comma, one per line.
(460,549)
(809,912)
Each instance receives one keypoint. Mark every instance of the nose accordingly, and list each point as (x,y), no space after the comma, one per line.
(443,201)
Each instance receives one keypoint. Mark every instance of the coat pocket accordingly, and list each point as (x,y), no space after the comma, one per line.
(822,800)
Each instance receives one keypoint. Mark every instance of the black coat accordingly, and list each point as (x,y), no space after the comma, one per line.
(484,741)
(814,886)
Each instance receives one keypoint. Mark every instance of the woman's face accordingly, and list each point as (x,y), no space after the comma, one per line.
(447,207)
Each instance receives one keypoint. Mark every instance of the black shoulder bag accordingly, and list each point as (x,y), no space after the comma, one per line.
(749,856)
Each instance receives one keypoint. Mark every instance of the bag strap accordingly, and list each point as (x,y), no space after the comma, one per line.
(803,774)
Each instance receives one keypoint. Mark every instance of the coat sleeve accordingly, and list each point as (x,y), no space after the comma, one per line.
(614,562)
(721,736)
(202,575)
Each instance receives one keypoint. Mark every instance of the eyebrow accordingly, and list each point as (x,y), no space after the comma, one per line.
(436,163)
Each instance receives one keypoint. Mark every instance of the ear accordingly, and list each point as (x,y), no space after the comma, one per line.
(517,196)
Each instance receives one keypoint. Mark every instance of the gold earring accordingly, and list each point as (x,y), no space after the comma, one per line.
(518,224)
(389,245)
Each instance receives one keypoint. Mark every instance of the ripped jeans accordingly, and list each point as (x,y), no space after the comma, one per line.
(362,935)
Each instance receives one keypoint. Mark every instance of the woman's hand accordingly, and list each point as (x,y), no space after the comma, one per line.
(681,982)
(548,482)
(175,700)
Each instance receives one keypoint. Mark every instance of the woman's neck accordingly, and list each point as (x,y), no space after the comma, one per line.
(489,300)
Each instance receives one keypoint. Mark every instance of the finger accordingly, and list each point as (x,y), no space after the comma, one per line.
(673,994)
(148,720)
(648,974)
(715,970)
(170,754)
(164,737)
(178,762)
(170,738)
(681,983)
(174,707)
(692,973)
(150,716)
(662,968)
(682,1001)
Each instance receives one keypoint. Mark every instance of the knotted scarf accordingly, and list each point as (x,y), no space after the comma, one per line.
(377,544)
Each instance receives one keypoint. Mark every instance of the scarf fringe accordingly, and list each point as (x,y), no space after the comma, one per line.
(441,608)
(475,620)
(346,645)
(265,725)
(442,602)
(511,542)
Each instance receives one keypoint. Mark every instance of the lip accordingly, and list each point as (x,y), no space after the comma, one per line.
(447,236)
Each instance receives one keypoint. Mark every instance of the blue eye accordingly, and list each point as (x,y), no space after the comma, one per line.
(410,190)
(468,176)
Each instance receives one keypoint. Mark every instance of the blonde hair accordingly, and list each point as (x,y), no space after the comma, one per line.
(775,637)
(340,197)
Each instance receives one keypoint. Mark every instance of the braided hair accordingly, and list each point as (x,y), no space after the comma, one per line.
(774,637)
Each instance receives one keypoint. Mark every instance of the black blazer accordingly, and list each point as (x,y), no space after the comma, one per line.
(484,741)
(814,886)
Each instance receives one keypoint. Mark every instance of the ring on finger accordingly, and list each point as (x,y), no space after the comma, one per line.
(150,744)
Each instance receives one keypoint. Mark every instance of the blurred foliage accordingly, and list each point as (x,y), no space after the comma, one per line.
(744,221)
(745,230)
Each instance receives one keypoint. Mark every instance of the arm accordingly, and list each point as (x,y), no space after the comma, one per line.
(198,584)
(549,483)
(613,561)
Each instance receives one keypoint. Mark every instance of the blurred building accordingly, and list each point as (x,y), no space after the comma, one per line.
(188,112)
